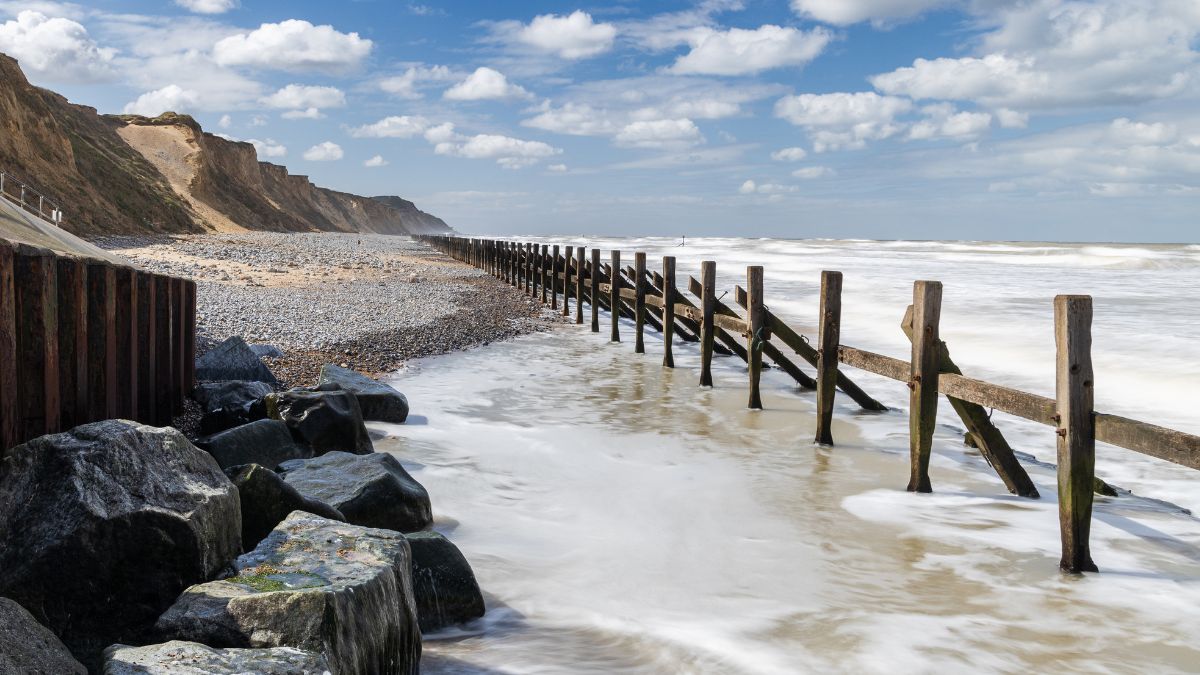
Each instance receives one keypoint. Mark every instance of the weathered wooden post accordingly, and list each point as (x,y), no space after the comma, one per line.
(102,341)
(668,310)
(554,258)
(542,260)
(923,381)
(567,257)
(1075,393)
(579,275)
(178,388)
(594,289)
(8,351)
(146,344)
(830,330)
(614,294)
(511,248)
(189,335)
(162,350)
(708,307)
(35,275)
(639,302)
(126,335)
(72,341)
(756,319)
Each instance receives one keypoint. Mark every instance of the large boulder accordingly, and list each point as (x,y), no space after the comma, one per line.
(29,648)
(190,658)
(267,500)
(265,442)
(229,393)
(322,420)
(233,360)
(445,586)
(313,584)
(370,490)
(378,401)
(102,526)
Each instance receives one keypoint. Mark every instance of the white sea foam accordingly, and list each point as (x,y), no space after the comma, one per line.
(621,519)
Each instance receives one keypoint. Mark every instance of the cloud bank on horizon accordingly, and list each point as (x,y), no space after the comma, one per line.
(985,119)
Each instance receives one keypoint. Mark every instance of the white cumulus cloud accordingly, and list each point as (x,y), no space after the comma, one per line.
(55,49)
(485,84)
(843,120)
(406,85)
(789,155)
(811,172)
(299,97)
(306,114)
(574,36)
(268,148)
(324,152)
(396,126)
(293,45)
(738,51)
(171,98)
(750,187)
(660,134)
(375,162)
(510,153)
(207,6)
(845,12)
(943,121)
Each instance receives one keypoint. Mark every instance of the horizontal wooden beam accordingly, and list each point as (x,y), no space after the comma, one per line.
(874,363)
(732,324)
(1149,439)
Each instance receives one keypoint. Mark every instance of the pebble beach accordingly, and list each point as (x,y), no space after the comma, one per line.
(367,302)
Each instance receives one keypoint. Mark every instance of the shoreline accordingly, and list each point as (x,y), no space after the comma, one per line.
(290,290)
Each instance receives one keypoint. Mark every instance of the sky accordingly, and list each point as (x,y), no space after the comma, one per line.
(885,119)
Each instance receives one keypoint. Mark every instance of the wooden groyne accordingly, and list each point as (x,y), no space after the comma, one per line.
(651,298)
(83,340)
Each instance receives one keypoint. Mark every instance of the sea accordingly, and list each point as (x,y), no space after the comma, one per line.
(622,519)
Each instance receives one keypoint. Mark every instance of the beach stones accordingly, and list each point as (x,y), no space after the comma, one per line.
(102,526)
(29,648)
(325,421)
(313,584)
(233,359)
(265,442)
(267,500)
(378,401)
(445,586)
(190,658)
(370,490)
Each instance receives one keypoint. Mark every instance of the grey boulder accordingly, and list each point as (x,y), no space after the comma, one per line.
(322,420)
(370,490)
(267,500)
(314,584)
(102,526)
(229,393)
(445,586)
(267,351)
(190,658)
(233,359)
(265,442)
(378,401)
(29,648)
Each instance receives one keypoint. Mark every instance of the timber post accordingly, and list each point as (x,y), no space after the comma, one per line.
(668,309)
(708,306)
(162,350)
(568,256)
(146,345)
(72,341)
(594,289)
(8,351)
(923,381)
(102,341)
(639,302)
(579,265)
(614,294)
(126,337)
(542,269)
(829,332)
(189,335)
(1074,387)
(35,277)
(554,257)
(756,336)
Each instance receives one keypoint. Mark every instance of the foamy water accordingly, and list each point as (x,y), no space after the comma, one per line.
(622,519)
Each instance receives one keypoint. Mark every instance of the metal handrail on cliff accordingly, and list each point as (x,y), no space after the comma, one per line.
(24,196)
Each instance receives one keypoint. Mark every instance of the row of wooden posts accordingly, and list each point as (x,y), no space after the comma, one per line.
(629,291)
(83,340)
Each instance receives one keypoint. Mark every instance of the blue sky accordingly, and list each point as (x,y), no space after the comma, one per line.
(896,119)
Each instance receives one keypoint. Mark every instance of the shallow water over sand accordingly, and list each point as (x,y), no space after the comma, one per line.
(621,519)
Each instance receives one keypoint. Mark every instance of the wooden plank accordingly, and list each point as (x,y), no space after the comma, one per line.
(566,287)
(35,275)
(756,335)
(164,355)
(72,341)
(189,335)
(732,324)
(668,309)
(581,272)
(879,364)
(553,267)
(127,352)
(719,309)
(924,369)
(708,290)
(639,302)
(654,301)
(1074,387)
(8,351)
(829,333)
(146,348)
(544,270)
(178,387)
(594,293)
(614,297)
(1149,439)
(102,341)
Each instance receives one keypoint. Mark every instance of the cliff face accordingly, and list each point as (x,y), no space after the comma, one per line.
(130,174)
(71,154)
